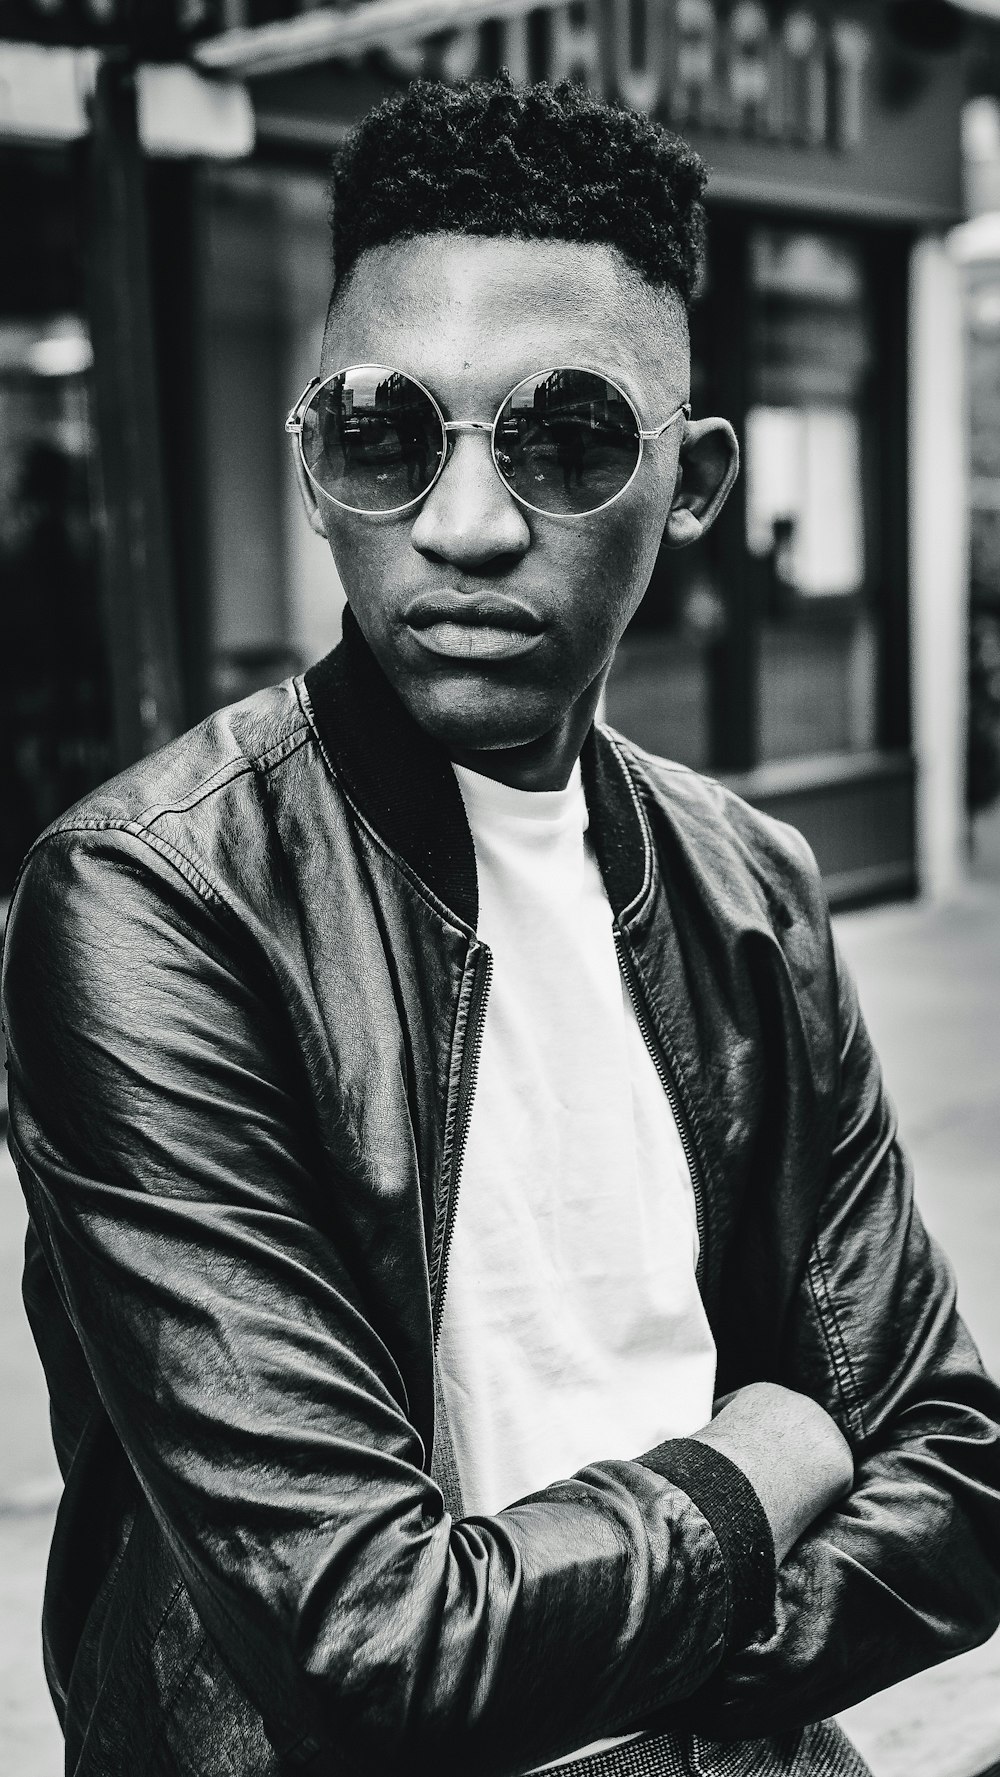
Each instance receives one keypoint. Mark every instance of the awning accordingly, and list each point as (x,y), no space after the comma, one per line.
(347,31)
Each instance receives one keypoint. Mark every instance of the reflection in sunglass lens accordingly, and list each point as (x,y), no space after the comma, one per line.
(567,442)
(372,439)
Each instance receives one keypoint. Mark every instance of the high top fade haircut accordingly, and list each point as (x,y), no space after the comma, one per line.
(538,162)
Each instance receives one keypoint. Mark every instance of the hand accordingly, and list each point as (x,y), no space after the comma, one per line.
(794,1456)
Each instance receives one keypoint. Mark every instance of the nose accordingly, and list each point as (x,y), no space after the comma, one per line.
(468,519)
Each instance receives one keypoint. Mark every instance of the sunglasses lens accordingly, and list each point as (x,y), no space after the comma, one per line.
(372,439)
(567,442)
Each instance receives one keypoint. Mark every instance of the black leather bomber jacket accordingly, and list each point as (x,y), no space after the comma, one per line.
(242,993)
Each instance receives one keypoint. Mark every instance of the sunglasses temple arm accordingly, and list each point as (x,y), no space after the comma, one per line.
(659,430)
(293,423)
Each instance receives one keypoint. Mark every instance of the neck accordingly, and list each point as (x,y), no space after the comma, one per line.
(402,781)
(542,764)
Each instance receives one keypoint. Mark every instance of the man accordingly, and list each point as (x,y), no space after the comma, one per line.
(427,1102)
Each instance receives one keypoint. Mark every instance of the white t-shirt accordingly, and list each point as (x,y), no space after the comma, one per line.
(573,1328)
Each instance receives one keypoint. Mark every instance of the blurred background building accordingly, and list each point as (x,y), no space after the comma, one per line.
(163,169)
(832,649)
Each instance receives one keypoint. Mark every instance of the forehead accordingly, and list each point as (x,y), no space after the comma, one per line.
(470,316)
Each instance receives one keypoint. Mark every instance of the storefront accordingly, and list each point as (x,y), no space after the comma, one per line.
(778,653)
(55,718)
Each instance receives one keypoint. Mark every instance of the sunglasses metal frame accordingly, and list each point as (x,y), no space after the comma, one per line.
(294,424)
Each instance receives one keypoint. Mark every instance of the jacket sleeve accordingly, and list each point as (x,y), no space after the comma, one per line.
(159,1128)
(907,1571)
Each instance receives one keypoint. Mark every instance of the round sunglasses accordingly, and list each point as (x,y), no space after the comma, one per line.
(565,442)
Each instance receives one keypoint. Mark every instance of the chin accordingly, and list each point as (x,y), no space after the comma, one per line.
(485,718)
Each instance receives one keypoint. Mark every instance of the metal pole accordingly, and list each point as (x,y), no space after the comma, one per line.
(135,546)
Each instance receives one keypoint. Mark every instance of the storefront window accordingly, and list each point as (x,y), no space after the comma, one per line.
(55,718)
(808,502)
(274,596)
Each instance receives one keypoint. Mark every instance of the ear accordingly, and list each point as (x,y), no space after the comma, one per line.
(308,492)
(708,465)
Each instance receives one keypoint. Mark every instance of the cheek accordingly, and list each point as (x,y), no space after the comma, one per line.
(364,554)
(615,557)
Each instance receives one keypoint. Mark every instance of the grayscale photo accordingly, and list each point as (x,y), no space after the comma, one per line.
(500,888)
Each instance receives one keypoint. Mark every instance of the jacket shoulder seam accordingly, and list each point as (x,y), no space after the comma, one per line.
(242,765)
(193,875)
(226,773)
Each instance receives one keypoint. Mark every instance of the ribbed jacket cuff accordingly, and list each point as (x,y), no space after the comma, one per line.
(725,1497)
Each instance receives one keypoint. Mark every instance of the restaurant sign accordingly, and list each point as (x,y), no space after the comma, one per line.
(739,70)
(814,104)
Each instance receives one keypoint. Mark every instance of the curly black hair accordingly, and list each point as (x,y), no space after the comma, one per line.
(540,162)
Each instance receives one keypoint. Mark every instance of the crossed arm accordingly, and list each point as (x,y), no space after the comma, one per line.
(904,1571)
(157,1131)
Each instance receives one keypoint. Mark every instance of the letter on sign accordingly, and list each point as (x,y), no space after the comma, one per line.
(695,77)
(638,51)
(514,47)
(805,80)
(461,53)
(850,53)
(575,44)
(749,69)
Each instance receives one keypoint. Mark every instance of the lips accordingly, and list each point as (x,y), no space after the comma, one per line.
(481,610)
(473,626)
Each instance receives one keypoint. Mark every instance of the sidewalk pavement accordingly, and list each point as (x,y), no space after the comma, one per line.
(930,990)
(930,987)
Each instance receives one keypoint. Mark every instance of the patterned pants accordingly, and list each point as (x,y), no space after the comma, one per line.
(820,1750)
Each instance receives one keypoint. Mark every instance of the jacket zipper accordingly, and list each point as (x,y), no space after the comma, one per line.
(466,1092)
(673,1096)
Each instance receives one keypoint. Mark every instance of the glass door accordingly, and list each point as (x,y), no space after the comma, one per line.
(811,504)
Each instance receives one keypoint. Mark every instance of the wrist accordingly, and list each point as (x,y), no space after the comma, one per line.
(790,1452)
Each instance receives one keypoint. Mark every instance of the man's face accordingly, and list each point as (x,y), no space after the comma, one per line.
(536,605)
